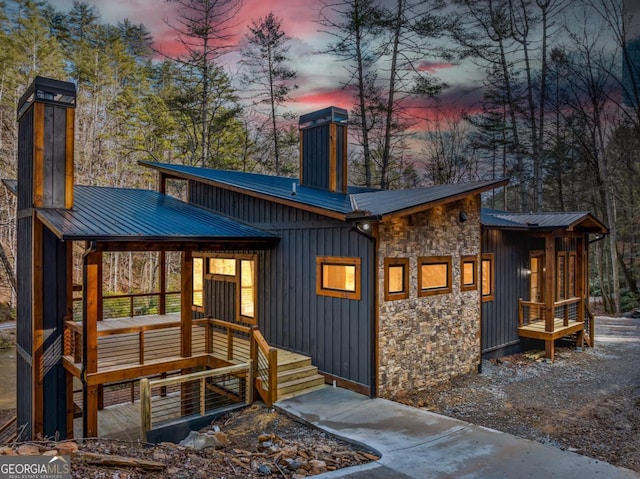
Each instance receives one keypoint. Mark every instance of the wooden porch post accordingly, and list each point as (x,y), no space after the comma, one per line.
(186,317)
(580,286)
(549,290)
(92,314)
(162,303)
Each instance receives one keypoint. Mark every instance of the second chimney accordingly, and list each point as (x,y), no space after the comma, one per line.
(323,149)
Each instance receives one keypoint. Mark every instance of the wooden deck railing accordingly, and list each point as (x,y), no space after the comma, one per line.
(194,394)
(266,368)
(134,304)
(130,343)
(531,312)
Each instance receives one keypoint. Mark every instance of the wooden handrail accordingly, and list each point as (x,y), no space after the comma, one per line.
(566,302)
(146,417)
(227,324)
(271,355)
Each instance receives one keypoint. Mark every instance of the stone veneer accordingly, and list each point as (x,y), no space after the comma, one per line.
(429,339)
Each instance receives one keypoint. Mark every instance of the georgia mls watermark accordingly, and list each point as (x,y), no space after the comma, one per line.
(35,467)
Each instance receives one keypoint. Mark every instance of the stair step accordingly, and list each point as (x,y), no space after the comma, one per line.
(288,360)
(282,397)
(302,384)
(298,373)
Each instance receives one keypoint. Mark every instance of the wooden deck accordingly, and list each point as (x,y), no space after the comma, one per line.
(132,348)
(536,330)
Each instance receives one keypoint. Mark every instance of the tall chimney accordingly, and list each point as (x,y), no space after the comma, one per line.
(45,180)
(45,144)
(323,149)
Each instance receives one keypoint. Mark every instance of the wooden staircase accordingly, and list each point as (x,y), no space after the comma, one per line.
(296,375)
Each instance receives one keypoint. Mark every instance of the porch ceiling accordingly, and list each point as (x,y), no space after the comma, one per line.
(119,215)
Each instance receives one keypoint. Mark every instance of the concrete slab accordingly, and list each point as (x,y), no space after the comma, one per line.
(414,443)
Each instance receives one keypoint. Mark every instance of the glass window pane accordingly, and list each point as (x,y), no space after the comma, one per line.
(434,276)
(561,278)
(339,277)
(468,273)
(486,277)
(198,281)
(396,278)
(247,282)
(572,276)
(222,266)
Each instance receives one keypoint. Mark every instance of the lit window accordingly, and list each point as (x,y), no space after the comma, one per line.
(247,288)
(434,275)
(338,277)
(487,277)
(222,266)
(396,278)
(572,275)
(561,276)
(198,282)
(468,273)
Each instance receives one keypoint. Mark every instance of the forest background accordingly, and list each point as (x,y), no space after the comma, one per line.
(551,99)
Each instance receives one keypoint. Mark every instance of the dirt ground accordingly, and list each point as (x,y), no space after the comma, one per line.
(256,442)
(587,402)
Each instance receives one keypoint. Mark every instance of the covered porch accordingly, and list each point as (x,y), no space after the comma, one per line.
(98,351)
(559,285)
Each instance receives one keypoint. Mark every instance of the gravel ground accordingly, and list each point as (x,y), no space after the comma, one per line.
(586,402)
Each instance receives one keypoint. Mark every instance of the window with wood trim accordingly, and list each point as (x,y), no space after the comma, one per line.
(396,278)
(197,299)
(239,269)
(225,267)
(561,276)
(434,275)
(488,279)
(571,276)
(247,290)
(338,276)
(468,273)
(536,278)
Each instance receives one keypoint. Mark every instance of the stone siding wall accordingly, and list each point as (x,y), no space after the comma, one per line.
(426,340)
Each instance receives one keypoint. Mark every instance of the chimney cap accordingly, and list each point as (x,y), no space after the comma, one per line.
(48,90)
(332,114)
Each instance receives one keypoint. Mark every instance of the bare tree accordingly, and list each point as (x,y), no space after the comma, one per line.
(266,59)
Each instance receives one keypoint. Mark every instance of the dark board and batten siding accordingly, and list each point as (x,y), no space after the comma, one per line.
(500,316)
(316,144)
(335,332)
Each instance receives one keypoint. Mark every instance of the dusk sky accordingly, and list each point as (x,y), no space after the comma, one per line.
(318,75)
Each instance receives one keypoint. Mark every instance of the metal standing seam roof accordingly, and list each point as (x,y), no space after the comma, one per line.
(358,201)
(123,214)
(540,221)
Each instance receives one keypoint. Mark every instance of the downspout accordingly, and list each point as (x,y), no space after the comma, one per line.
(373,277)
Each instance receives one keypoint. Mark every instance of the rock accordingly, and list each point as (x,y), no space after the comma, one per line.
(7,451)
(198,441)
(172,471)
(264,469)
(51,453)
(293,464)
(317,467)
(221,437)
(28,450)
(67,448)
(159,456)
(265,437)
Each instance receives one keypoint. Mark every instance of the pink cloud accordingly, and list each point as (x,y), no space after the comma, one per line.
(433,67)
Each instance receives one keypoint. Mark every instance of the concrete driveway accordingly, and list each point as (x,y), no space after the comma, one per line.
(414,443)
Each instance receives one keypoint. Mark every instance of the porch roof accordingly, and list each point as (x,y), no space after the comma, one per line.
(122,214)
(570,221)
(357,203)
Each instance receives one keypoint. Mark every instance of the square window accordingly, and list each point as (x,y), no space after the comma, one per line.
(396,278)
(434,275)
(338,277)
(468,273)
